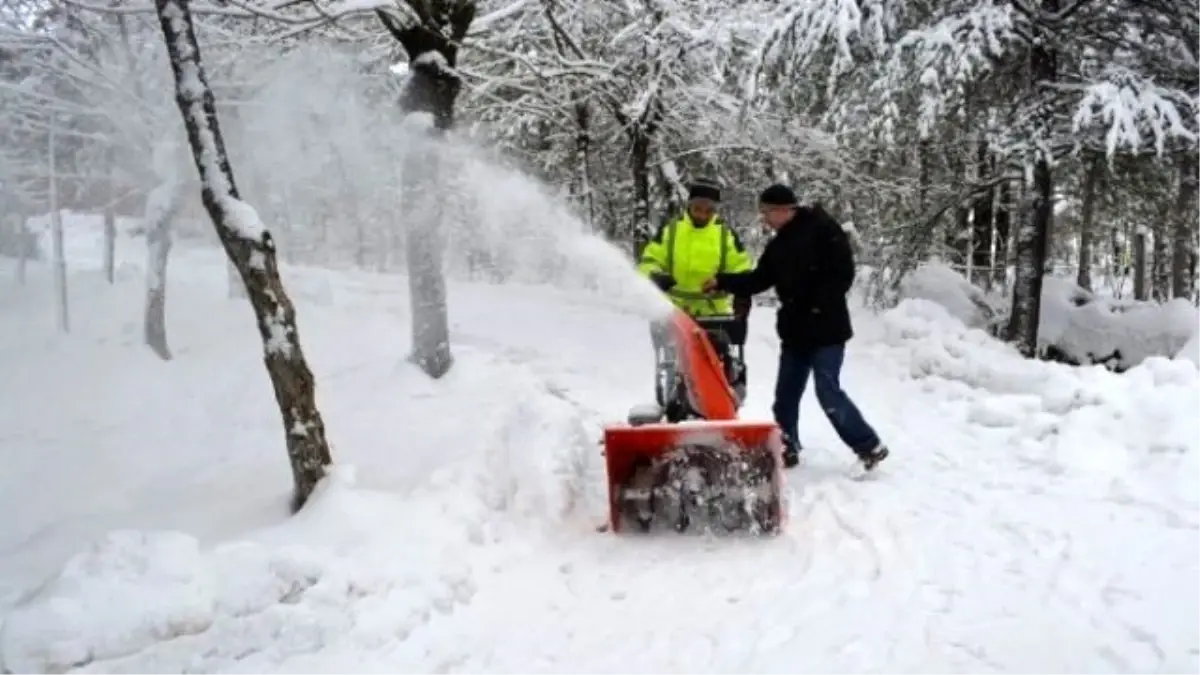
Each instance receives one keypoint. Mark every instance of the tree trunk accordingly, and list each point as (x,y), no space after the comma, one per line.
(1031,241)
(958,244)
(923,151)
(957,237)
(56,233)
(431,44)
(1003,234)
(1033,238)
(1160,263)
(1091,179)
(110,220)
(162,205)
(426,278)
(981,225)
(26,245)
(251,249)
(582,185)
(639,166)
(1183,257)
(1139,266)
(234,282)
(429,90)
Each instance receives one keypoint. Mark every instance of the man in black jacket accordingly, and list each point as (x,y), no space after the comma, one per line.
(810,264)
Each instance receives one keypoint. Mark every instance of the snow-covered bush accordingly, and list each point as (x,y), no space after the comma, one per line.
(1076,326)
(1079,327)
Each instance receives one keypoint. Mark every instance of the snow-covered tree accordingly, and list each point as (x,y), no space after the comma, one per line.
(251,248)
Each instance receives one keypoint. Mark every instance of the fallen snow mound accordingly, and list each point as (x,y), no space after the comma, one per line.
(939,283)
(151,602)
(356,569)
(1089,411)
(1075,325)
(1091,329)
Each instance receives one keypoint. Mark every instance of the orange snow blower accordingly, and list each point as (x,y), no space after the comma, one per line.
(688,461)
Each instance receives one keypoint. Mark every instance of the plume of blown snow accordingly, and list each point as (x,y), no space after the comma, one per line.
(358,161)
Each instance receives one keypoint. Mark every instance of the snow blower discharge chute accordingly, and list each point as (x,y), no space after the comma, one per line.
(689,462)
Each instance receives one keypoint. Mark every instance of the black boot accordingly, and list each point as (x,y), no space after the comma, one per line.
(791,453)
(872,458)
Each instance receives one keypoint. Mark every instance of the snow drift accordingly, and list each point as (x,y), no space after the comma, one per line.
(1089,414)
(1076,326)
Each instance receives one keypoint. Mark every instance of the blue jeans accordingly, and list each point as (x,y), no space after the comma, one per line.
(825,366)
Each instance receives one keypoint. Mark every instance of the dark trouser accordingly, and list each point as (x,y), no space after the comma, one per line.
(825,365)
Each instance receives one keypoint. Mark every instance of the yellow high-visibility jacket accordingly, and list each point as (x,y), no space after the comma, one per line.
(691,255)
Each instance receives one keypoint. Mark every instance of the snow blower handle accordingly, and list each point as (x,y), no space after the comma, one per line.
(712,396)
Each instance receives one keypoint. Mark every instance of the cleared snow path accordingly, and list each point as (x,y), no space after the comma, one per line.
(1014,529)
(1032,518)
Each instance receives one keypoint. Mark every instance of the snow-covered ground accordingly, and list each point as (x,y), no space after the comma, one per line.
(1032,517)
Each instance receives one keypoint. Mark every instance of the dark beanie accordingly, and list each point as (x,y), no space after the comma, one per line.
(704,190)
(777,195)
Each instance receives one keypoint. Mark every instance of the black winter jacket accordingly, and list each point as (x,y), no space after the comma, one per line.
(810,264)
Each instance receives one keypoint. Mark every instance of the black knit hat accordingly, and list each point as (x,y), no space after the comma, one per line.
(704,189)
(777,195)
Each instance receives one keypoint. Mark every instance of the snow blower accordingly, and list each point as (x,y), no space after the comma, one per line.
(689,462)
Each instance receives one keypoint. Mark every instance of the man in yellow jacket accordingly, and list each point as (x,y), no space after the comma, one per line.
(687,251)
(692,248)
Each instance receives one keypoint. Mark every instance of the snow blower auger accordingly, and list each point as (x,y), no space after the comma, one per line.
(689,463)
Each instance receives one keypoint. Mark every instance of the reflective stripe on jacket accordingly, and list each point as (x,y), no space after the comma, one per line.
(691,255)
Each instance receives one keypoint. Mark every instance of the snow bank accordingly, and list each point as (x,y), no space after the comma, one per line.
(1075,325)
(157,602)
(1103,420)
(327,579)
(1089,329)
(939,283)
(1191,350)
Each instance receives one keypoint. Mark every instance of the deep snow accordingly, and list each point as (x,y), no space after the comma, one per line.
(1033,517)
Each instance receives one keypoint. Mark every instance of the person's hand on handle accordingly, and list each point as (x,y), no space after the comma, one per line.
(710,285)
(663,281)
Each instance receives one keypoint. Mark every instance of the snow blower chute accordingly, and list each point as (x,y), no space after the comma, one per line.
(688,462)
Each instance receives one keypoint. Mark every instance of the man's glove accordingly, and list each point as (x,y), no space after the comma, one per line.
(741,307)
(665,282)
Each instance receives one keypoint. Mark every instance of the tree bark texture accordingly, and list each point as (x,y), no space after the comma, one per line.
(1160,262)
(582,187)
(1093,172)
(1183,255)
(1033,238)
(981,223)
(639,166)
(1031,245)
(1003,234)
(252,252)
(1139,266)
